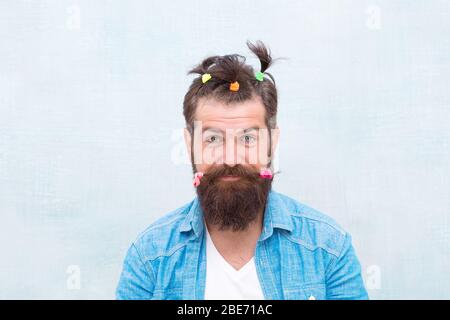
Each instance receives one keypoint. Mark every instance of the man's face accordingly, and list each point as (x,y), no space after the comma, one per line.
(231,146)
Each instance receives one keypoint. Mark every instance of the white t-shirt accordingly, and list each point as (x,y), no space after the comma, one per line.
(223,282)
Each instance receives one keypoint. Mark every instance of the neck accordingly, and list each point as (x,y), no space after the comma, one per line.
(251,234)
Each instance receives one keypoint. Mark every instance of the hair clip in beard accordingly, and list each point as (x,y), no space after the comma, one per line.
(266,174)
(197,176)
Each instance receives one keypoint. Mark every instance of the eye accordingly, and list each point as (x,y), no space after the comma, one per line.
(213,139)
(248,139)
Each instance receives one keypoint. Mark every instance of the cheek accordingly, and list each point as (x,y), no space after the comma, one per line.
(251,156)
(205,155)
(257,155)
(211,155)
(203,167)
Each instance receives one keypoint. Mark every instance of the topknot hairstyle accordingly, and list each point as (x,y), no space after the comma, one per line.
(228,69)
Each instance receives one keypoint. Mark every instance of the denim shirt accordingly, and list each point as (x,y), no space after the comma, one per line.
(300,254)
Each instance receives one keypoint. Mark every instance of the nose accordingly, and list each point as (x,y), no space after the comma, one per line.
(230,153)
(230,159)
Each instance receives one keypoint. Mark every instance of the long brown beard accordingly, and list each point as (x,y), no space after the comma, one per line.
(233,204)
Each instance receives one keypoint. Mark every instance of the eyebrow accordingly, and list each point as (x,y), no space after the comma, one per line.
(222,131)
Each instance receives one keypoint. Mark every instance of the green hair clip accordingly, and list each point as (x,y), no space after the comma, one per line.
(259,76)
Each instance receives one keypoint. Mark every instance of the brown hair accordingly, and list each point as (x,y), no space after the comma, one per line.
(227,69)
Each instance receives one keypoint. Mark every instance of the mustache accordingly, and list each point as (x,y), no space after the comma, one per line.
(237,170)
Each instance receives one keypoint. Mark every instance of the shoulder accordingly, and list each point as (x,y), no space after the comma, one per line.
(163,237)
(312,228)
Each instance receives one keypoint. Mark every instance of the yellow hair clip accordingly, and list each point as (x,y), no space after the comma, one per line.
(206,77)
(234,86)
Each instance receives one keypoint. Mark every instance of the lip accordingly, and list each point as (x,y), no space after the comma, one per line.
(230,178)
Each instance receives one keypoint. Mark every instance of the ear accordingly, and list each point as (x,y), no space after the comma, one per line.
(188,141)
(275,137)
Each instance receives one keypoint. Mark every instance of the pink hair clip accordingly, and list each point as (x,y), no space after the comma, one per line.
(197,177)
(266,174)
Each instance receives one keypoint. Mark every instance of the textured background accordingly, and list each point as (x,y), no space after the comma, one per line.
(91,148)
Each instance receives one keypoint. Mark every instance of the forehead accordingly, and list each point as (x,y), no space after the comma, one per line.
(217,114)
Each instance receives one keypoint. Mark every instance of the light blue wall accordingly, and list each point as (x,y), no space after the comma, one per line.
(91,150)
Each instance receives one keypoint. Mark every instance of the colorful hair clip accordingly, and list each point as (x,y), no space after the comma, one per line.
(259,76)
(197,177)
(234,86)
(266,174)
(206,77)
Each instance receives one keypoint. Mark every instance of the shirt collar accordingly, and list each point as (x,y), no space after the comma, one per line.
(276,215)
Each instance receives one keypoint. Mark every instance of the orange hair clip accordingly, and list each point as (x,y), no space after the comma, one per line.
(234,86)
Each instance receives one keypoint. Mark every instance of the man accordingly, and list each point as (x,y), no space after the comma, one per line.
(238,239)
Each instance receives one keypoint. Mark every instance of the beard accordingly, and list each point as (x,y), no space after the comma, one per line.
(233,204)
